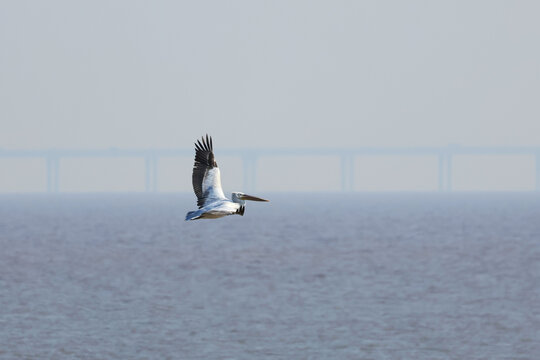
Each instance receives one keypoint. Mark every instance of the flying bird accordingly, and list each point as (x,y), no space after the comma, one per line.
(206,180)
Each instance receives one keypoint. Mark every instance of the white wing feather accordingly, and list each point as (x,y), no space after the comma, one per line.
(211,186)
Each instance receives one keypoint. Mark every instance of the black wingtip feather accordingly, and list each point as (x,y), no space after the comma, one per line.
(204,144)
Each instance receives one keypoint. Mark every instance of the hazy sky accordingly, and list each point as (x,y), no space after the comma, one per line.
(125,73)
(274,73)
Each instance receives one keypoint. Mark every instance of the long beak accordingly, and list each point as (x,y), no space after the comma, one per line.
(252,198)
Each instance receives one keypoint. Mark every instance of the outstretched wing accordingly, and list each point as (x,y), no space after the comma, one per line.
(206,177)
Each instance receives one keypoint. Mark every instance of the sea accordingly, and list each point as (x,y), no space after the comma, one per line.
(305,276)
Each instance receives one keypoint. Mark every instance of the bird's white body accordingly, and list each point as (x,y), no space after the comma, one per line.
(207,186)
(215,210)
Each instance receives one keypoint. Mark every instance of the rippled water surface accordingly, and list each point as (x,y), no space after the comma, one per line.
(412,276)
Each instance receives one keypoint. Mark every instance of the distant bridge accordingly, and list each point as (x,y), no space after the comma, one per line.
(250,157)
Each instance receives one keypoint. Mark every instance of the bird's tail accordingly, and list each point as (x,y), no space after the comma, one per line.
(193,215)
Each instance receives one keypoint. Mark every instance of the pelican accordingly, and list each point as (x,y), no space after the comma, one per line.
(206,180)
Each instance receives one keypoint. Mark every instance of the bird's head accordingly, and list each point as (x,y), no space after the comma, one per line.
(239,197)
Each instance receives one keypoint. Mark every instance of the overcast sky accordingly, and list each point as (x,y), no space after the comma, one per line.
(97,74)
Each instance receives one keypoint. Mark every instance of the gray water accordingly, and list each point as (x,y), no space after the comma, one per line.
(411,276)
